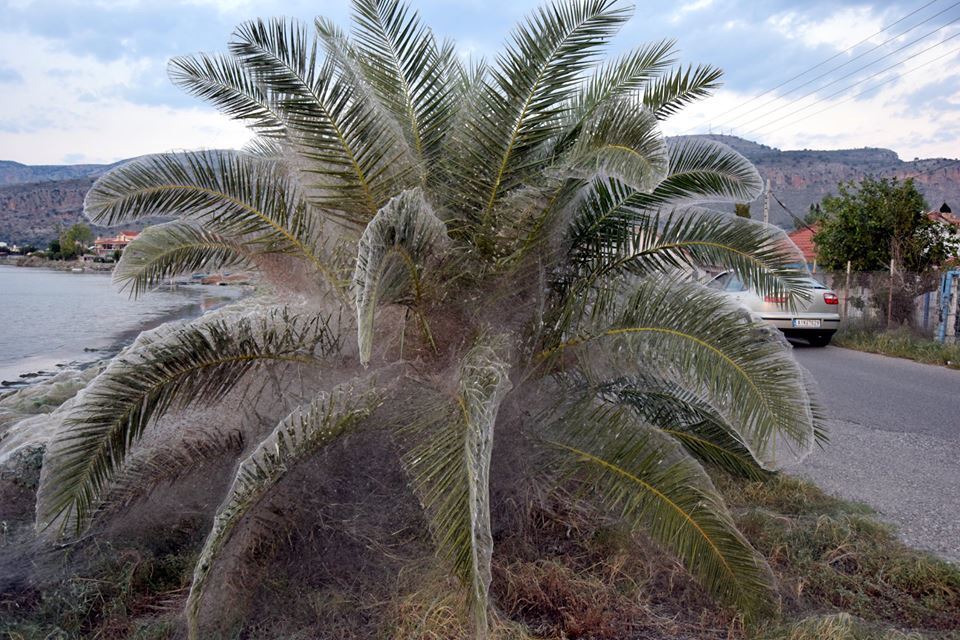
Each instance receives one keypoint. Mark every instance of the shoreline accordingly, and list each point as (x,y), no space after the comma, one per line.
(34,262)
(43,367)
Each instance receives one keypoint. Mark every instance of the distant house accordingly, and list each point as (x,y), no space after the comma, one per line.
(105,247)
(951,222)
(803,238)
(946,216)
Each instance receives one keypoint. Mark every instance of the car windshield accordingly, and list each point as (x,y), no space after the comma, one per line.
(816,284)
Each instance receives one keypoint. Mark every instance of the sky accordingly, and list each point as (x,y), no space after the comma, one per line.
(84,81)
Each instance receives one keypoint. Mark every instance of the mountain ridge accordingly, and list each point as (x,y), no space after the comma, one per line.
(36,199)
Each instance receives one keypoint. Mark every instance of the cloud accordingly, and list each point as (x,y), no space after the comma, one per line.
(9,76)
(839,30)
(690,7)
(91,74)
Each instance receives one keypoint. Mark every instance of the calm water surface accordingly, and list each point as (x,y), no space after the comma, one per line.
(50,318)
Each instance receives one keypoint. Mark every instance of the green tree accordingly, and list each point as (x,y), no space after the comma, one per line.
(508,241)
(814,215)
(74,241)
(53,250)
(742,209)
(876,221)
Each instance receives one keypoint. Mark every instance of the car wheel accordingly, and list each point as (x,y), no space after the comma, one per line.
(820,339)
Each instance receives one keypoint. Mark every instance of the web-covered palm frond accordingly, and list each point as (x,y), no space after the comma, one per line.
(685,416)
(613,239)
(228,85)
(670,93)
(146,470)
(166,250)
(229,192)
(519,107)
(391,258)
(451,471)
(355,161)
(621,139)
(298,436)
(702,171)
(651,483)
(171,367)
(704,342)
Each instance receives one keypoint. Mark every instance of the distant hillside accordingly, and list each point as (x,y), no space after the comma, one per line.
(16,173)
(34,200)
(31,213)
(801,178)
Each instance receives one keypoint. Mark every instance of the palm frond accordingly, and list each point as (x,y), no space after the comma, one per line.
(298,436)
(670,93)
(518,108)
(408,70)
(230,193)
(391,258)
(700,171)
(652,484)
(226,84)
(623,77)
(685,416)
(171,367)
(699,337)
(264,148)
(621,140)
(166,250)
(635,242)
(620,79)
(451,471)
(144,471)
(356,162)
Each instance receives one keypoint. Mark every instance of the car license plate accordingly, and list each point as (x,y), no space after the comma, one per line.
(805,323)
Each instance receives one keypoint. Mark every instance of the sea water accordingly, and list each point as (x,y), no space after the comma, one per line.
(51,320)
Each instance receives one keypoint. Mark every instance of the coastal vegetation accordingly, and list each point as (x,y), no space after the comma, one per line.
(483,391)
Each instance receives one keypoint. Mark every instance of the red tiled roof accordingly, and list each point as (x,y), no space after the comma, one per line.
(131,234)
(945,217)
(803,238)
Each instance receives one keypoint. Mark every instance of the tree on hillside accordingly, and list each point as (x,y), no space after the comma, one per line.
(742,209)
(74,241)
(463,255)
(814,215)
(876,221)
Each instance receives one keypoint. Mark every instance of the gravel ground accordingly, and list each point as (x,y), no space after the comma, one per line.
(912,480)
(894,442)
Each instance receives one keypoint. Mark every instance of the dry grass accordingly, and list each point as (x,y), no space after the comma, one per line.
(840,626)
(899,343)
(561,571)
(832,556)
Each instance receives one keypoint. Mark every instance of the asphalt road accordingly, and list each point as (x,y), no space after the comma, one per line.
(895,442)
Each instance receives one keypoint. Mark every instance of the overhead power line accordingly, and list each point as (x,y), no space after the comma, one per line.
(851,60)
(791,213)
(856,95)
(933,170)
(859,69)
(827,60)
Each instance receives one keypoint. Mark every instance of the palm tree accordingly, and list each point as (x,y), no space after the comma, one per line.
(512,243)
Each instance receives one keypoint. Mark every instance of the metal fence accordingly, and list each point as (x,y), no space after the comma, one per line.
(927,303)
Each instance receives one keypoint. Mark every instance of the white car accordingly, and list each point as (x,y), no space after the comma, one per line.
(814,320)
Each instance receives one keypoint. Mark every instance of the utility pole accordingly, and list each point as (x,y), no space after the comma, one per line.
(766,203)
